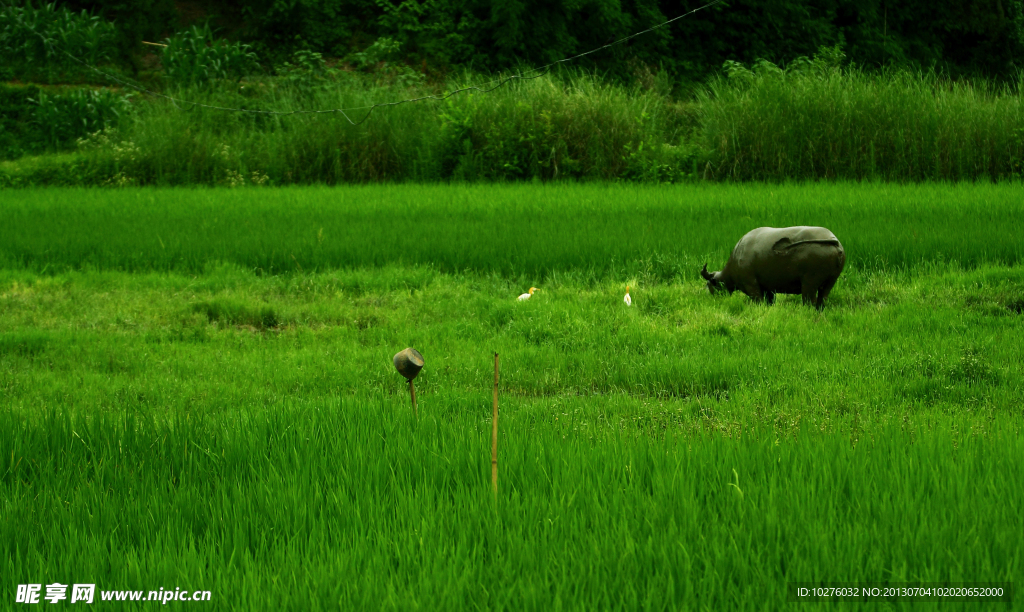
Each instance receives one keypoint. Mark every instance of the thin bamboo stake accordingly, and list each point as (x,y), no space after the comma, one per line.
(412,393)
(494,434)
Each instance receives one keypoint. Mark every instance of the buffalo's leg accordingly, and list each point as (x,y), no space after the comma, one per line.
(823,292)
(769,297)
(807,289)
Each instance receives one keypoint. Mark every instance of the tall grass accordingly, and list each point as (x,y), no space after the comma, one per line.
(547,128)
(512,230)
(776,125)
(340,505)
(812,121)
(543,128)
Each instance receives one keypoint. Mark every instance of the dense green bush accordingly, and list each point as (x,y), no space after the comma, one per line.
(43,43)
(549,128)
(62,119)
(195,57)
(978,38)
(135,21)
(816,120)
(19,134)
(437,36)
(33,120)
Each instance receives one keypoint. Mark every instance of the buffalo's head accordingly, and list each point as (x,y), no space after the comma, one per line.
(714,284)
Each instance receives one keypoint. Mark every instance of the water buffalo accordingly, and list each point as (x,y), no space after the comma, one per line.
(770,260)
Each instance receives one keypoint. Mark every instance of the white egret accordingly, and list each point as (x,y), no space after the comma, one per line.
(526,296)
(628,300)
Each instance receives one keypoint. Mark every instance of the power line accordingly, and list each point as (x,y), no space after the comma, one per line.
(481,87)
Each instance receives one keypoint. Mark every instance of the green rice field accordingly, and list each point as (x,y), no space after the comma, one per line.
(196,393)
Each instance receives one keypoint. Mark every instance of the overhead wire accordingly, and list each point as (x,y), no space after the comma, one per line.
(344,112)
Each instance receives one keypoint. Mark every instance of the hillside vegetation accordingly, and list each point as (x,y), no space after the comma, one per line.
(979,37)
(817,117)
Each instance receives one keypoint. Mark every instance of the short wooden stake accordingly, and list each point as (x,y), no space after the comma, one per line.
(494,434)
(412,394)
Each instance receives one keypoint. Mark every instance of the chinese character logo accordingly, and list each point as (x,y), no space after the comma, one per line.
(28,593)
(83,592)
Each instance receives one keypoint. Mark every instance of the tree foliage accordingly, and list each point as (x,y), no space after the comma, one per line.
(960,37)
(973,37)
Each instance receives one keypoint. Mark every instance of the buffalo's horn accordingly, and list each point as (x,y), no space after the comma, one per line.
(707,275)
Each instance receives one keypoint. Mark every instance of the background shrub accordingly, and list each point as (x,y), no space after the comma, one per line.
(39,43)
(19,134)
(63,118)
(815,120)
(195,57)
(552,128)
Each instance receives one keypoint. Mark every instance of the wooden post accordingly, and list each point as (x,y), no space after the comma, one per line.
(494,434)
(412,393)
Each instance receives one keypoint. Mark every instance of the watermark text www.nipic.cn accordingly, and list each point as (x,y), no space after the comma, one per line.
(86,593)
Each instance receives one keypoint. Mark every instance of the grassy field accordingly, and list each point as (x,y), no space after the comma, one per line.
(528,232)
(183,407)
